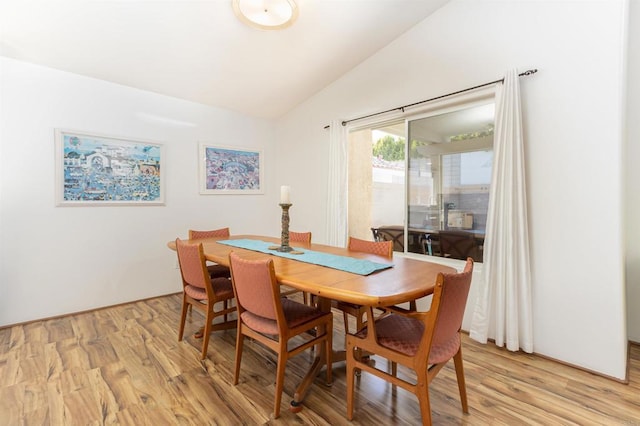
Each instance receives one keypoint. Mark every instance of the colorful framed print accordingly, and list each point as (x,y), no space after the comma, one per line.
(231,170)
(100,170)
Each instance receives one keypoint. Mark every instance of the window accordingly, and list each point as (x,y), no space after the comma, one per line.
(438,181)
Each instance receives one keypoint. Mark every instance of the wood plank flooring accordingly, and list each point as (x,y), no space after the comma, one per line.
(124,365)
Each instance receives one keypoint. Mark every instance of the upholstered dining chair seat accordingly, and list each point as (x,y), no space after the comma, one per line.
(221,287)
(398,333)
(218,271)
(295,314)
(403,334)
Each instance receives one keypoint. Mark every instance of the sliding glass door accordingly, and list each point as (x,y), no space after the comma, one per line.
(423,177)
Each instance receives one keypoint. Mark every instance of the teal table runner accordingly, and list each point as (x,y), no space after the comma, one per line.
(343,263)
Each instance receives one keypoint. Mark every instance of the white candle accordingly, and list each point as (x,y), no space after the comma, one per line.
(284,195)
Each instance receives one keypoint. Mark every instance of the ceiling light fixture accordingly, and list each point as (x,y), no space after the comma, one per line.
(266,14)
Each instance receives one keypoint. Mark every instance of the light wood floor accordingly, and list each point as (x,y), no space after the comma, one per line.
(124,365)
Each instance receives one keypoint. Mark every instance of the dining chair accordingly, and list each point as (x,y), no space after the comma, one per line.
(265,316)
(458,245)
(415,238)
(396,235)
(201,291)
(300,237)
(374,233)
(305,239)
(380,248)
(215,270)
(421,341)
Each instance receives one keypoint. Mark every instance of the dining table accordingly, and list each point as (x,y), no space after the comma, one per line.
(400,279)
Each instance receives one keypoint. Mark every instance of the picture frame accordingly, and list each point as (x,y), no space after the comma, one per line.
(101,170)
(230,170)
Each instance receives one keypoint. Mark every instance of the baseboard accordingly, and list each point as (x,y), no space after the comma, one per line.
(596,373)
(86,311)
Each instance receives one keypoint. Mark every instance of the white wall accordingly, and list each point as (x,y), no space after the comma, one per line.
(632,194)
(572,117)
(57,260)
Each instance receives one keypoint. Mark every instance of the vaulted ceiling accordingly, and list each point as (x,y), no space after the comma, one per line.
(200,51)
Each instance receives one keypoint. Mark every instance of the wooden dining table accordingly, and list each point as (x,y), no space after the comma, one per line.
(408,279)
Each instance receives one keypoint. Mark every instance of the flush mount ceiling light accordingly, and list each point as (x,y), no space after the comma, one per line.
(266,14)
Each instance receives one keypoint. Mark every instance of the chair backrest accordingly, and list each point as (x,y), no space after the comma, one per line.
(380,248)
(458,244)
(193,264)
(255,286)
(222,232)
(446,314)
(300,237)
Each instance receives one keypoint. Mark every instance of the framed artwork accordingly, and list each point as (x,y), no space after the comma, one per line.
(231,170)
(103,170)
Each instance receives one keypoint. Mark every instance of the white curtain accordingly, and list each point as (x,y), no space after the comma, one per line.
(503,309)
(337,185)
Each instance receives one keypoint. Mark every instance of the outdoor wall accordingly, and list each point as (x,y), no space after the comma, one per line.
(573,137)
(362,189)
(58,260)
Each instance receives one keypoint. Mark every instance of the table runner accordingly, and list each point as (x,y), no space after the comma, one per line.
(343,263)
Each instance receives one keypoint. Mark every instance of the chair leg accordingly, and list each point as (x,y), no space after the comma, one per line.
(457,360)
(360,355)
(422,392)
(360,321)
(207,332)
(350,381)
(328,346)
(239,346)
(345,316)
(282,363)
(183,316)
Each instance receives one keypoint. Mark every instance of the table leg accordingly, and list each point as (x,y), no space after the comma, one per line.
(303,387)
(319,361)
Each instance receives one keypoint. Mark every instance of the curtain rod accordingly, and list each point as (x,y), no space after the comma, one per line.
(401,108)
